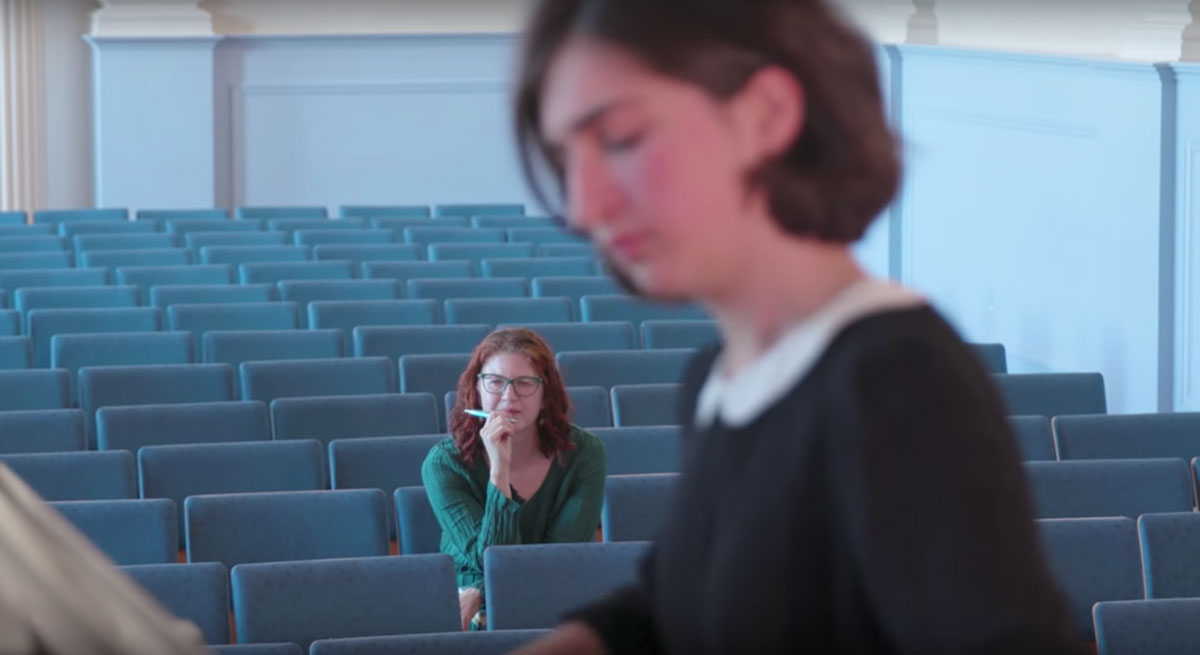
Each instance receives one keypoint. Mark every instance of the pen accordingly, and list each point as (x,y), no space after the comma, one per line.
(478,413)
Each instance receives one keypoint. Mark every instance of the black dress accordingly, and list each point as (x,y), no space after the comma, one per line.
(878,505)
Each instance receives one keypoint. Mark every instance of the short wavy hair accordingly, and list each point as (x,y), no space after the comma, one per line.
(554,428)
(843,168)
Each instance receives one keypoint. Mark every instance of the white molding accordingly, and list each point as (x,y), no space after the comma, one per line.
(1156,32)
(22,105)
(151,18)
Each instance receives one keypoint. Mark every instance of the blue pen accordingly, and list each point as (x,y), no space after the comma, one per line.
(478,413)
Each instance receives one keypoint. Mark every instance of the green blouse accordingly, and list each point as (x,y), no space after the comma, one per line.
(474,514)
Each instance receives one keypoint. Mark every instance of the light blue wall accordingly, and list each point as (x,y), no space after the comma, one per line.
(407,119)
(1048,203)
(153,122)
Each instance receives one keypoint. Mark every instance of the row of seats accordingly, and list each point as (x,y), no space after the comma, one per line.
(303,602)
(265,212)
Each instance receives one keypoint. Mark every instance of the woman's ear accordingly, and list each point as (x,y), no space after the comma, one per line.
(769,111)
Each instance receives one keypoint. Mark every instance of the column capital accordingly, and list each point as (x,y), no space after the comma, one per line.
(151,19)
(886,21)
(1157,30)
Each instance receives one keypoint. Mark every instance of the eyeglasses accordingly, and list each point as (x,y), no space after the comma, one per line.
(526,385)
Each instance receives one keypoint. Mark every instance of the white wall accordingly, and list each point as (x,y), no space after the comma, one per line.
(365,16)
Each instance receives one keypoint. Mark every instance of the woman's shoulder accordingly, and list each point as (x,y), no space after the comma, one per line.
(585,442)
(443,456)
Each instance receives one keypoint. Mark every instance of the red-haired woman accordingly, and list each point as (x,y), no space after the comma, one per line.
(524,475)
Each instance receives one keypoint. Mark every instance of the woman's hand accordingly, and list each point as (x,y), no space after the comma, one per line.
(469,602)
(497,436)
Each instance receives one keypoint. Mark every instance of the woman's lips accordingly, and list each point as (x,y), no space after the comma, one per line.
(628,246)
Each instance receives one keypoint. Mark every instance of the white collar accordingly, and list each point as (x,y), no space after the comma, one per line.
(741,398)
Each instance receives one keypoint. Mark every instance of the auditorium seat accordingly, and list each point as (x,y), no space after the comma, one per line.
(403,271)
(579,337)
(109,386)
(273,272)
(541,235)
(10,322)
(264,212)
(1169,545)
(236,255)
(691,333)
(384,463)
(383,211)
(291,225)
(205,317)
(72,352)
(1137,627)
(508,222)
(34,389)
(236,346)
(634,451)
(417,528)
(42,431)
(636,507)
(531,267)
(118,258)
(10,281)
(36,260)
(479,642)
(198,240)
(127,531)
(646,404)
(1110,487)
(44,324)
(346,315)
(15,353)
(507,310)
(1128,436)
(60,215)
(1092,560)
(325,418)
(399,223)
(477,252)
(343,237)
(132,427)
(200,294)
(573,287)
(395,341)
(145,277)
(186,226)
(616,367)
(136,241)
(194,592)
(1052,394)
(280,648)
(303,292)
(443,289)
(35,243)
(435,374)
(359,253)
(301,602)
(265,381)
(284,526)
(532,586)
(634,310)
(1034,437)
(993,356)
(69,229)
(76,476)
(590,407)
(566,250)
(25,300)
(183,470)
(427,235)
(479,209)
(205,213)
(11,217)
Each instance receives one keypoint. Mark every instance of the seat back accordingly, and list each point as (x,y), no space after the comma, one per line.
(480,642)
(1092,560)
(1169,545)
(107,386)
(1035,439)
(636,507)
(1127,488)
(508,310)
(1128,436)
(634,310)
(1132,627)
(266,381)
(694,333)
(1052,394)
(395,341)
(618,367)
(45,323)
(435,374)
(42,431)
(195,592)
(642,449)
(348,417)
(131,428)
(76,476)
(128,531)
(34,389)
(646,404)
(346,315)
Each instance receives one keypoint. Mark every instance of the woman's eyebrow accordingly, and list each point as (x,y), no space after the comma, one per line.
(591,117)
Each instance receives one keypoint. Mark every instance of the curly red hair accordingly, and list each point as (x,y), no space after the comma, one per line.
(554,429)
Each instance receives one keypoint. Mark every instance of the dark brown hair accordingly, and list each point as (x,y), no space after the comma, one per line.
(554,428)
(841,171)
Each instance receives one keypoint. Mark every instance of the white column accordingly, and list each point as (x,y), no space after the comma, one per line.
(886,21)
(1191,34)
(150,18)
(1156,30)
(152,84)
(22,106)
